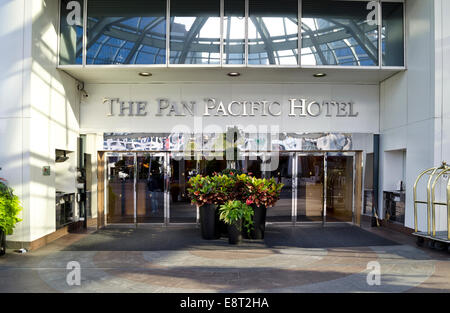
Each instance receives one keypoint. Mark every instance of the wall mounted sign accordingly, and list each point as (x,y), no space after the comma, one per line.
(46,170)
(215,107)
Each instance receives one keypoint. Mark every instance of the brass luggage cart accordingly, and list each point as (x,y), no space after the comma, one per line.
(434,175)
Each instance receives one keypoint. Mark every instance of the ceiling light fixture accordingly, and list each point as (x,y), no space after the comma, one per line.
(320,75)
(145,74)
(234,74)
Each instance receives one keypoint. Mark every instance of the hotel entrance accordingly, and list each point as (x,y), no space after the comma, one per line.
(151,187)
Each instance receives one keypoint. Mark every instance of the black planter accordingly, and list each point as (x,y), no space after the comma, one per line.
(223,228)
(2,242)
(259,222)
(209,222)
(235,233)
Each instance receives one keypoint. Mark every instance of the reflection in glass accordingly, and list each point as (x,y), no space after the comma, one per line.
(338,33)
(310,188)
(182,169)
(134,33)
(120,193)
(71,32)
(273,32)
(212,163)
(392,34)
(339,188)
(282,211)
(234,32)
(195,32)
(253,165)
(150,189)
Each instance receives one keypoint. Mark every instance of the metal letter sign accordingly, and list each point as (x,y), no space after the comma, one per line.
(299,108)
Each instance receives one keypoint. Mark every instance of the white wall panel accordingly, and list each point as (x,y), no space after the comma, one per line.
(54,102)
(394,103)
(13,57)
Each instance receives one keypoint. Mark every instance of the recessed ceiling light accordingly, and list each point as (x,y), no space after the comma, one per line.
(319,75)
(234,74)
(145,74)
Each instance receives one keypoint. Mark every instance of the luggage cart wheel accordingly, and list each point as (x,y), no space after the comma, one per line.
(431,244)
(441,246)
(420,241)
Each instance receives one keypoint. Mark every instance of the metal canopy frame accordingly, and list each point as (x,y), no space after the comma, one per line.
(435,175)
(116,29)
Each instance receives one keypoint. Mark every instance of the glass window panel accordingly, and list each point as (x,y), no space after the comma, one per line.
(71,32)
(273,32)
(338,33)
(195,32)
(392,34)
(126,32)
(234,32)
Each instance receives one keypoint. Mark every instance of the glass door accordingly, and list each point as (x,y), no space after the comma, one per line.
(283,209)
(150,188)
(310,188)
(120,188)
(182,168)
(340,185)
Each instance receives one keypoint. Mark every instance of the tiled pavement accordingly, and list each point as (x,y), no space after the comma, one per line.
(219,268)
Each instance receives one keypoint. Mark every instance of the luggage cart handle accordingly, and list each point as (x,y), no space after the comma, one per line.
(445,170)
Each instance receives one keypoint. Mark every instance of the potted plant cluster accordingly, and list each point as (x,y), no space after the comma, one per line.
(233,198)
(9,210)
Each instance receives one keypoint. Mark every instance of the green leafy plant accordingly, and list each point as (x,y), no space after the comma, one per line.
(232,172)
(233,211)
(9,208)
(262,191)
(231,185)
(216,189)
(206,190)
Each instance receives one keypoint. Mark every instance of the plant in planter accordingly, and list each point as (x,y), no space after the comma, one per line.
(233,182)
(261,194)
(9,210)
(203,193)
(208,192)
(236,215)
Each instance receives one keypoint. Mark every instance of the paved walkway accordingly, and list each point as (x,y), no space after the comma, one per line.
(192,265)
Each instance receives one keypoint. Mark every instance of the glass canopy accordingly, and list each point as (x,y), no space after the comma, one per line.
(338,33)
(232,32)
